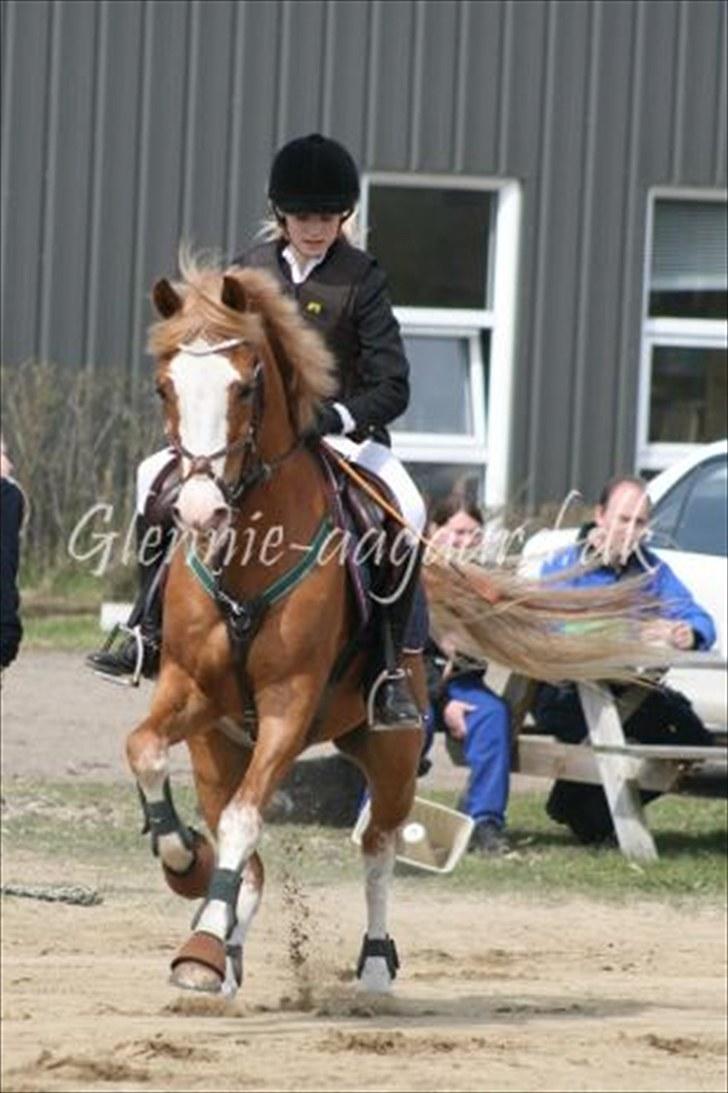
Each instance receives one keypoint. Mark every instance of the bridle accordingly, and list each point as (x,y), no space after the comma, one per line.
(253,468)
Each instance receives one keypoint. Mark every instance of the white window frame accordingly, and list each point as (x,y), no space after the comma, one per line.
(489,446)
(690,333)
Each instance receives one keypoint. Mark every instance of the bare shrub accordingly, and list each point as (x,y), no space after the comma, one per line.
(75,438)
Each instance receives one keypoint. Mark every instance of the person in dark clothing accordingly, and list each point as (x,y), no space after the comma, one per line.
(610,549)
(341,291)
(11,521)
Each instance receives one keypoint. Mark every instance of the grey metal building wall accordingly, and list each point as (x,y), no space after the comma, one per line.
(128,124)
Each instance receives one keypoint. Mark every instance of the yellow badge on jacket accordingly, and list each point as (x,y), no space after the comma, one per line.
(314,307)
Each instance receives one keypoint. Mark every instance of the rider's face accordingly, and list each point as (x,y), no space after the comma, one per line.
(311,234)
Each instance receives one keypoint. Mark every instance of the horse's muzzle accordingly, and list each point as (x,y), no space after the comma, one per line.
(201,506)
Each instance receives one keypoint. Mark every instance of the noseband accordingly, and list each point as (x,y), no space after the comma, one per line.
(252,469)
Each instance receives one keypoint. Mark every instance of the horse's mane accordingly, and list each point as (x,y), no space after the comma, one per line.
(307,367)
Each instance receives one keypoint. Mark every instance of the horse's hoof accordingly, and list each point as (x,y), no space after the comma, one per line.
(378,964)
(200,964)
(375,977)
(189,976)
(194,882)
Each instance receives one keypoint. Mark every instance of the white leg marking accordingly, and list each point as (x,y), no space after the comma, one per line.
(249,899)
(237,837)
(378,869)
(152,771)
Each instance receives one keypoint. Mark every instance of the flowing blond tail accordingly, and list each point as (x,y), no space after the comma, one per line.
(542,629)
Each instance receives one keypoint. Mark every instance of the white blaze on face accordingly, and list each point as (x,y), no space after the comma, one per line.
(201,384)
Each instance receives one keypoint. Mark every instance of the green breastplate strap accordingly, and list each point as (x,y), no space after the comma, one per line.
(275,591)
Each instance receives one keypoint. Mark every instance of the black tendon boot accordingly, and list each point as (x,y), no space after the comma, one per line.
(132,650)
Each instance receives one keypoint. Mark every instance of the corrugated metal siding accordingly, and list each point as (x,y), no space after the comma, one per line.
(128,124)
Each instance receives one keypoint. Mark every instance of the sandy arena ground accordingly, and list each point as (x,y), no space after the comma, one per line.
(495,993)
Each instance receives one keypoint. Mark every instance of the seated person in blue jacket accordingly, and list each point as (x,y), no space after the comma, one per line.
(608,550)
(11,520)
(464,707)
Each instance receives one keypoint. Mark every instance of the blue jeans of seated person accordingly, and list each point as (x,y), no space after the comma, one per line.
(487,749)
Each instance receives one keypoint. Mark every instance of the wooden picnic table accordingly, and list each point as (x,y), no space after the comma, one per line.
(626,768)
(608,759)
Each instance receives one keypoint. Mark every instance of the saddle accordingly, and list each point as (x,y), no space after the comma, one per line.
(377,563)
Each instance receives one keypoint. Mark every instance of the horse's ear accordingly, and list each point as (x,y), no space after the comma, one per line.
(233,294)
(166,300)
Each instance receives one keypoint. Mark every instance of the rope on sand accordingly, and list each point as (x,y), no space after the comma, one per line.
(55,893)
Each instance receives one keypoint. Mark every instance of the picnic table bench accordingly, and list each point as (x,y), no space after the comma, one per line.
(607,758)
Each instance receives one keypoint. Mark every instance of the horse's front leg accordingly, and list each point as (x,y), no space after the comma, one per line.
(178,709)
(235,888)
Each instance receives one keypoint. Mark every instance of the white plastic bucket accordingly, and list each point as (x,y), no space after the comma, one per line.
(433,837)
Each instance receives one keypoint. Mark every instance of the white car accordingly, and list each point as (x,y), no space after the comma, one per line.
(690,532)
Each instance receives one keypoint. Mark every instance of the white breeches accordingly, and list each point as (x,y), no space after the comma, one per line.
(379,459)
(147,471)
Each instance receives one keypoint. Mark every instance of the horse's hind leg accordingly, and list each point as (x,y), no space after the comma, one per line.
(389,760)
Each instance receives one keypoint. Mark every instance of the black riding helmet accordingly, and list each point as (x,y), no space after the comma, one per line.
(313,174)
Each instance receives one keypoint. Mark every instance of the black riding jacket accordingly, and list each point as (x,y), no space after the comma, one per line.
(11,519)
(345,299)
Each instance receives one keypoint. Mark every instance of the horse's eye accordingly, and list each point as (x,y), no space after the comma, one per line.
(243,391)
(160,392)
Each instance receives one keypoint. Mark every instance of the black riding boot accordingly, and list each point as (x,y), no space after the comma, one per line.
(390,701)
(390,704)
(125,661)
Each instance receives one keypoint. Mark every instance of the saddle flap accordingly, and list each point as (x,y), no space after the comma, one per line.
(373,529)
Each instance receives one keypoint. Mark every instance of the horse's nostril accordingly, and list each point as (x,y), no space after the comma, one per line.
(220,515)
(176,514)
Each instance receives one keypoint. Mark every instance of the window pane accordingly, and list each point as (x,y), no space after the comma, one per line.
(689,305)
(688,395)
(432,243)
(689,275)
(703,525)
(439,386)
(438,481)
(667,513)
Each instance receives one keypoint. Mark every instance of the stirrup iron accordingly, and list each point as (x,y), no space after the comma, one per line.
(132,632)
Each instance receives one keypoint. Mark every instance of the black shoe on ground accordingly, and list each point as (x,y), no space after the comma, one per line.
(488,838)
(390,704)
(584,810)
(123,663)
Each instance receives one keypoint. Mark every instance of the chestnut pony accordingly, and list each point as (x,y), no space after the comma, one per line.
(240,374)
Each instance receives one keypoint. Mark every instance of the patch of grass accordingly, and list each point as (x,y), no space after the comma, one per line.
(75,632)
(690,834)
(90,823)
(70,581)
